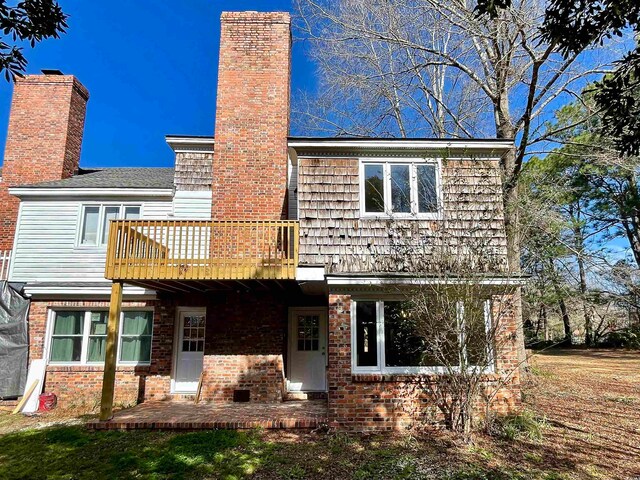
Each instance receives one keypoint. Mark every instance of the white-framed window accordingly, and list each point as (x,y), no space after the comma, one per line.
(79,337)
(94,221)
(403,188)
(384,341)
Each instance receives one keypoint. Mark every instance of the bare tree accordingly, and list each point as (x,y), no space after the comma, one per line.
(456,325)
(435,68)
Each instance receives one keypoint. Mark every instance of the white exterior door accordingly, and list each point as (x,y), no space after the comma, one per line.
(189,350)
(307,350)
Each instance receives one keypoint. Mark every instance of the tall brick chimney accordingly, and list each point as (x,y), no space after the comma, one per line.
(43,140)
(252,117)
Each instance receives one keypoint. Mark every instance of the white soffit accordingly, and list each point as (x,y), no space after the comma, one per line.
(310,274)
(190,144)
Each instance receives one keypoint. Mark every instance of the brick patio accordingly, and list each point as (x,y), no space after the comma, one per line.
(167,415)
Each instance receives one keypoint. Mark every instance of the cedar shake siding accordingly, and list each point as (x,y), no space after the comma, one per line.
(333,233)
(193,171)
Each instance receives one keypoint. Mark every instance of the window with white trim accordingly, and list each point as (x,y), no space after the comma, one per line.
(94,227)
(400,188)
(80,337)
(385,339)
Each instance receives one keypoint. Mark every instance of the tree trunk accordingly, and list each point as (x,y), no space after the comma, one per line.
(629,208)
(588,319)
(543,323)
(565,321)
(633,235)
(510,199)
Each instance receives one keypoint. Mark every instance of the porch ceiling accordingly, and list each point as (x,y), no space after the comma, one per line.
(204,286)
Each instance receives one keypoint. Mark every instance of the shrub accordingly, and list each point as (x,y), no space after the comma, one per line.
(628,337)
(522,425)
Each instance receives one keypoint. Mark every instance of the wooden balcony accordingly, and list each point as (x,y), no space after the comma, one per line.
(202,250)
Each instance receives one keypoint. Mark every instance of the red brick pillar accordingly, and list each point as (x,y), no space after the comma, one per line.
(508,397)
(43,140)
(342,402)
(252,117)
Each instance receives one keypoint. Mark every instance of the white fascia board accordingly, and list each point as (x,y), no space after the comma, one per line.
(91,192)
(310,274)
(190,144)
(408,281)
(491,145)
(72,292)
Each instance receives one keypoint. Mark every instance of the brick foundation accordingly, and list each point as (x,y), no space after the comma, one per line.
(375,402)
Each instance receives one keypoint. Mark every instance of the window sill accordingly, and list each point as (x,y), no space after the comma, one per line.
(387,377)
(398,216)
(406,377)
(53,367)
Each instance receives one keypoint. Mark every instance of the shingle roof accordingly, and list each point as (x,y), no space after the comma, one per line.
(149,177)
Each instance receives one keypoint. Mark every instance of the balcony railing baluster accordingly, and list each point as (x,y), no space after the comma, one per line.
(201,250)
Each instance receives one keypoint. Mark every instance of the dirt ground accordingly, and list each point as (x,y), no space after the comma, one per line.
(590,400)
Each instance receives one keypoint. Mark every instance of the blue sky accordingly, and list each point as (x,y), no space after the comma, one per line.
(151,70)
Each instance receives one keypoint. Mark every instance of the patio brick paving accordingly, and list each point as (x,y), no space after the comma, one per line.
(168,415)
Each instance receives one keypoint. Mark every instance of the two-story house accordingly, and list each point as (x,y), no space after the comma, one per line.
(258,266)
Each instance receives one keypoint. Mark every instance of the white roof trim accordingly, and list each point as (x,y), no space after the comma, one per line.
(190,144)
(178,143)
(94,192)
(61,290)
(381,281)
(492,145)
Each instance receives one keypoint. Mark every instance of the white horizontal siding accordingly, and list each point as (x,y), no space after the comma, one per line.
(46,249)
(192,205)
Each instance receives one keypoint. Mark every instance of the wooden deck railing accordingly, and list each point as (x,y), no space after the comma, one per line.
(201,250)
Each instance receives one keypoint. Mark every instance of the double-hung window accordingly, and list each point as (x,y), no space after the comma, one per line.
(387,339)
(94,227)
(80,337)
(400,188)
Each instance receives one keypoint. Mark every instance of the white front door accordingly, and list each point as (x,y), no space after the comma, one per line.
(307,349)
(189,350)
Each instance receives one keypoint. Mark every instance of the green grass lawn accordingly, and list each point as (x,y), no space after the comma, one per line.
(73,452)
(588,402)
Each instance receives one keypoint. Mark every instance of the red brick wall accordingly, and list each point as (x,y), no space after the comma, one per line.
(391,402)
(244,346)
(252,117)
(243,350)
(81,385)
(43,139)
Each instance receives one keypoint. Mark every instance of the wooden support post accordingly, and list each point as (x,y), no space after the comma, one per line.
(109,379)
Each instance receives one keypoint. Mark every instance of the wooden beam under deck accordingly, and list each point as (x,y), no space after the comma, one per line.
(109,378)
